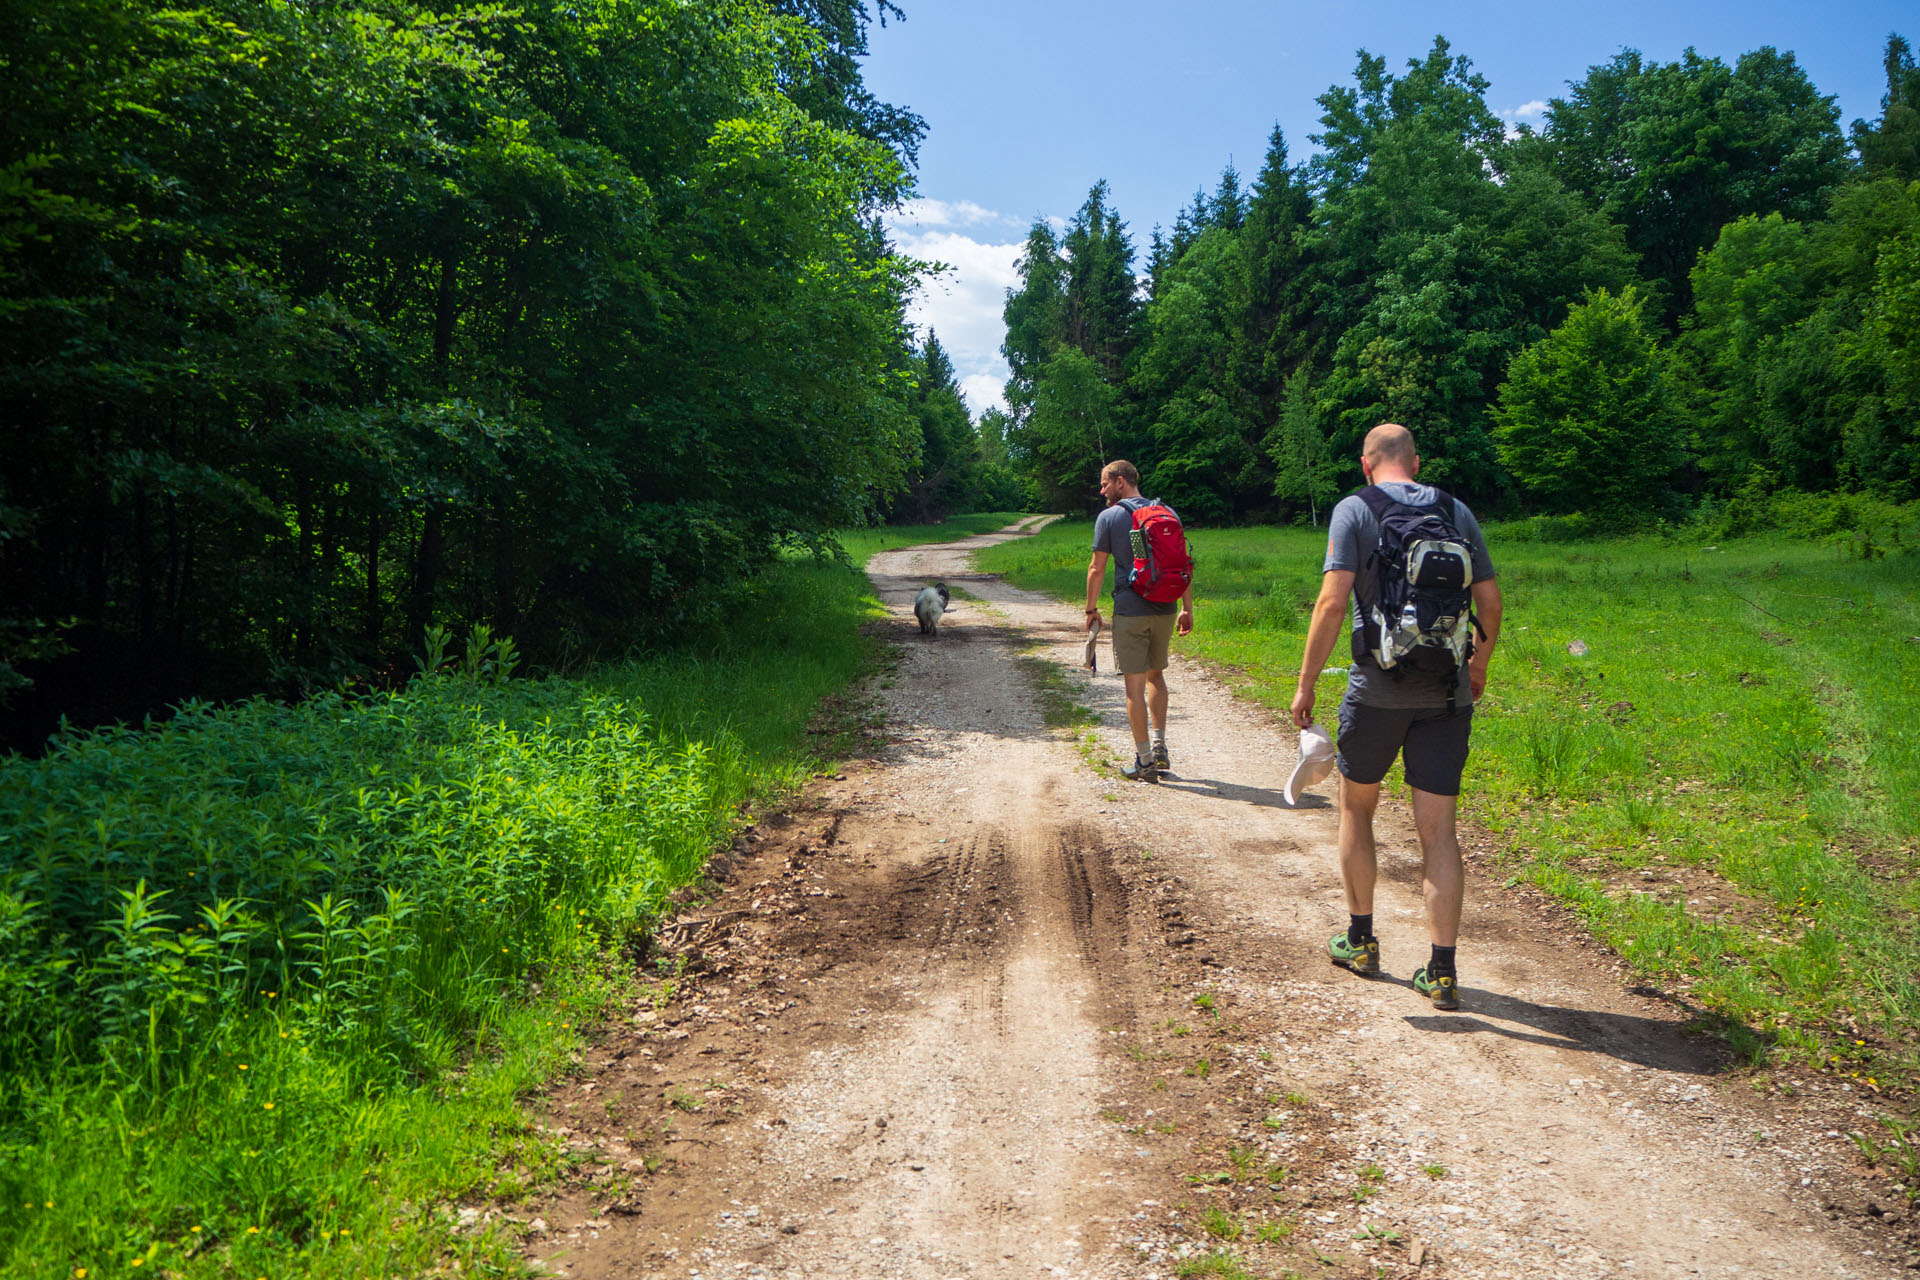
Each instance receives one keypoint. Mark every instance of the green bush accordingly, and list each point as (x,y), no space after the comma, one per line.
(384,868)
(1861,521)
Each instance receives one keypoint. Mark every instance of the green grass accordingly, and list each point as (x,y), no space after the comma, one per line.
(275,979)
(1744,726)
(1221,1262)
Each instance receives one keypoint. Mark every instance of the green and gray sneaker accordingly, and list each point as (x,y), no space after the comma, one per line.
(1444,990)
(1363,959)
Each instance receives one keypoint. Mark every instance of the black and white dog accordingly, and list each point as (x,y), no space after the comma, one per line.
(928,606)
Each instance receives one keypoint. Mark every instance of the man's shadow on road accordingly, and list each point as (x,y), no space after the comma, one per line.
(1263,797)
(1648,1042)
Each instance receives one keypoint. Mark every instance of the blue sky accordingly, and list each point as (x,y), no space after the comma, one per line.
(1028,104)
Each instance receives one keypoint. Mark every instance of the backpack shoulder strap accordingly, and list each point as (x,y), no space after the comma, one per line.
(1380,502)
(1377,500)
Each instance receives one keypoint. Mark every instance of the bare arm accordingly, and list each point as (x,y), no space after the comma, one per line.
(1329,619)
(1487,607)
(1096,574)
(1185,625)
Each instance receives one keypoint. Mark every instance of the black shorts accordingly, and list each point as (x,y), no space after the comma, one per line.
(1433,739)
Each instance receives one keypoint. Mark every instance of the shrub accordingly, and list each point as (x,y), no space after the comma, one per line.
(382,870)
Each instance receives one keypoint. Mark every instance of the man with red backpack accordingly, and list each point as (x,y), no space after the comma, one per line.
(1153,570)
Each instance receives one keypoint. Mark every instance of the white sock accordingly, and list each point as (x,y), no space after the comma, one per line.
(1141,751)
(1159,737)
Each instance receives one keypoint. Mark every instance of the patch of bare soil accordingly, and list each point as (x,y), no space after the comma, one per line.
(978,1008)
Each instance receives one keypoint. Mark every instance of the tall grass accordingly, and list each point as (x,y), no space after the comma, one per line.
(1744,725)
(272,977)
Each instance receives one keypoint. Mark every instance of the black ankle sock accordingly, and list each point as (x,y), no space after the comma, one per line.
(1441,963)
(1359,929)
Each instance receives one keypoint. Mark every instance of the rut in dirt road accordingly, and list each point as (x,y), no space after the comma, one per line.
(980,1010)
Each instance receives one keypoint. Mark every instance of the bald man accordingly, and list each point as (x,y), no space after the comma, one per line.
(1425,719)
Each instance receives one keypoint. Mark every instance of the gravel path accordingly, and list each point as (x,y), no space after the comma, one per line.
(980,1008)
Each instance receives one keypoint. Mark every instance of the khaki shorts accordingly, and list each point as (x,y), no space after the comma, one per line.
(1141,643)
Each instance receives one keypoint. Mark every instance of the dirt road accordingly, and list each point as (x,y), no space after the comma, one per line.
(979,1008)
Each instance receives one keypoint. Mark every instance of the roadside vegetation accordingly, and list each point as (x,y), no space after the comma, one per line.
(273,977)
(1707,746)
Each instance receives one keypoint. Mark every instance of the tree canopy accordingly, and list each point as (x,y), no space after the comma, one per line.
(325,322)
(1701,230)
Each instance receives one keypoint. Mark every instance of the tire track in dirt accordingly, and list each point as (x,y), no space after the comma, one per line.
(979,1010)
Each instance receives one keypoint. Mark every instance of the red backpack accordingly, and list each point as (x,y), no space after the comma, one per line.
(1162,568)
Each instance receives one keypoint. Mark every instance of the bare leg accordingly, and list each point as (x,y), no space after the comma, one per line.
(1445,879)
(1136,684)
(1359,866)
(1156,700)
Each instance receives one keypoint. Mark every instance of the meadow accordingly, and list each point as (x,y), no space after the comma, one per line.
(274,978)
(1708,747)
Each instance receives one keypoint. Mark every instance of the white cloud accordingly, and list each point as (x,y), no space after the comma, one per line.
(947,213)
(1530,113)
(985,390)
(963,304)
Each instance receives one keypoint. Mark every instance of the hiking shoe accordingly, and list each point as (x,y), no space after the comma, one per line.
(1363,959)
(1444,990)
(1160,761)
(1140,771)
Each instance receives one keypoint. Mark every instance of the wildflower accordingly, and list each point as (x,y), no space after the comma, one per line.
(243,1066)
(253,1231)
(139,1262)
(196,1229)
(266,1106)
(79,1273)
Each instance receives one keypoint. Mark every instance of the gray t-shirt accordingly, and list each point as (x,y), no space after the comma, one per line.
(1111,534)
(1352,534)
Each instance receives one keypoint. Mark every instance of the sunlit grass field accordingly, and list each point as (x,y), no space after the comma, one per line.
(275,979)
(1726,785)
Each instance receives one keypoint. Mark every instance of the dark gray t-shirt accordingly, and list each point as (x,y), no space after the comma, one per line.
(1111,535)
(1352,534)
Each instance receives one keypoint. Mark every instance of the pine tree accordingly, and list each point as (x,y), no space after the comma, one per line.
(1890,147)
(1228,208)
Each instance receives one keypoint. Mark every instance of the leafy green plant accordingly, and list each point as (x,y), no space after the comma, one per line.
(1222,1225)
(1221,1262)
